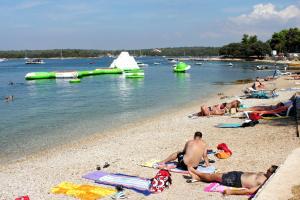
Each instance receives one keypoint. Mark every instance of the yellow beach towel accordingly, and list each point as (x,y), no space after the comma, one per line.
(83,192)
(150,163)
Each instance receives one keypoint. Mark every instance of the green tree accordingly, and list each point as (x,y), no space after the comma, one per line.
(292,38)
(278,41)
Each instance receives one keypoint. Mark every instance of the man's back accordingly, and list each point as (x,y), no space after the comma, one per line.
(194,152)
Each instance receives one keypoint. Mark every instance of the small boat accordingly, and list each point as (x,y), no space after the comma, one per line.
(230,64)
(3,59)
(134,73)
(181,67)
(198,63)
(75,80)
(173,61)
(262,67)
(156,63)
(34,61)
(141,64)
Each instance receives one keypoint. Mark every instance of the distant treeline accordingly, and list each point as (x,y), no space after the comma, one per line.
(178,51)
(285,41)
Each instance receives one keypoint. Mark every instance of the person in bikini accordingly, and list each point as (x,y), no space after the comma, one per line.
(194,152)
(258,85)
(248,182)
(219,109)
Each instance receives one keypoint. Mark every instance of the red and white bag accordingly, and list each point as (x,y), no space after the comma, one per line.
(161,181)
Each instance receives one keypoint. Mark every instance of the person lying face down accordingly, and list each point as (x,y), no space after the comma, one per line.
(192,154)
(248,182)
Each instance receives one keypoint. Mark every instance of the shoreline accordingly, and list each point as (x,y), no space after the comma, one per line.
(56,148)
(153,138)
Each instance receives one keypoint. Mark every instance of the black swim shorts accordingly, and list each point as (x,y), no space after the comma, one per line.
(181,163)
(232,179)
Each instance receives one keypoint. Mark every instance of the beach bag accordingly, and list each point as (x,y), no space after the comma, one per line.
(224,148)
(222,155)
(23,198)
(251,123)
(161,181)
(253,116)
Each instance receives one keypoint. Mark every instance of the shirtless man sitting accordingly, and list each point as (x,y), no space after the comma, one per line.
(248,182)
(193,153)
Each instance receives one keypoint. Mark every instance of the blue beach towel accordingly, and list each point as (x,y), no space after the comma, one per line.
(229,125)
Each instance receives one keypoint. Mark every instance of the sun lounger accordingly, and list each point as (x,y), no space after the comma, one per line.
(282,111)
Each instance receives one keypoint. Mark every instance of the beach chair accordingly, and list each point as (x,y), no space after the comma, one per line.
(282,112)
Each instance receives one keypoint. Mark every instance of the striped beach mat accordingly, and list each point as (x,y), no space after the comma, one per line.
(138,184)
(172,167)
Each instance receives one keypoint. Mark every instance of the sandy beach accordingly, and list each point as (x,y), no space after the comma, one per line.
(125,148)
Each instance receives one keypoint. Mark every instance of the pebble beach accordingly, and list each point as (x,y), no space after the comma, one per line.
(127,147)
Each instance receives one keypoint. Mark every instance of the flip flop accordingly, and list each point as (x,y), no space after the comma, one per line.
(106,165)
(119,195)
(192,181)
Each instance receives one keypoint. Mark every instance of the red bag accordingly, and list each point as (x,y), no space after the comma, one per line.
(224,147)
(253,116)
(23,198)
(161,181)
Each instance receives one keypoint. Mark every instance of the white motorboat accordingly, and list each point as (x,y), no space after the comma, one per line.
(141,64)
(34,61)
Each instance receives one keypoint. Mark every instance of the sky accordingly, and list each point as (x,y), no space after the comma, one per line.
(136,24)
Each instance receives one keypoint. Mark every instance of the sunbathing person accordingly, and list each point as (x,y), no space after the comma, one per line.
(257,85)
(219,109)
(193,153)
(248,182)
(285,104)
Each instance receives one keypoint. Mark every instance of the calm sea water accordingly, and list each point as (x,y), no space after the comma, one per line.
(46,113)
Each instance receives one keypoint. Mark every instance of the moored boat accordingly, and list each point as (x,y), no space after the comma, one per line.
(75,80)
(181,67)
(134,73)
(34,61)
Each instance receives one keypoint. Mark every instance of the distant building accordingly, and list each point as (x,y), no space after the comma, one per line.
(293,55)
(156,50)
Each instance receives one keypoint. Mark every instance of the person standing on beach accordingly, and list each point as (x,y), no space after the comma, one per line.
(193,153)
